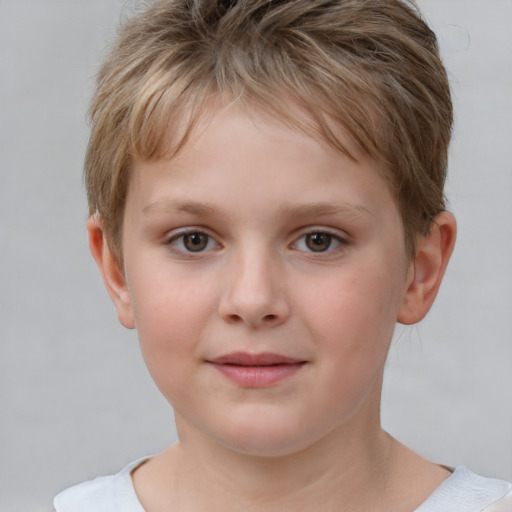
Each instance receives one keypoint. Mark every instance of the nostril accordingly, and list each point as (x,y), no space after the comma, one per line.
(235,318)
(270,317)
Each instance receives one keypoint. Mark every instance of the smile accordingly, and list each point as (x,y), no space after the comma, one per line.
(256,370)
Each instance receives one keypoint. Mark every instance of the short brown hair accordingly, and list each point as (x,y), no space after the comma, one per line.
(372,66)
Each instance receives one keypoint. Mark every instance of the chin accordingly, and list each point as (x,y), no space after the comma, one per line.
(269,440)
(264,448)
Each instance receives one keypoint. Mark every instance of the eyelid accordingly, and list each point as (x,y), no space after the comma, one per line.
(176,234)
(341,237)
(334,232)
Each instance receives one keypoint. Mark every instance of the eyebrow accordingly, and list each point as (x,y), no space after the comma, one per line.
(325,209)
(181,206)
(320,209)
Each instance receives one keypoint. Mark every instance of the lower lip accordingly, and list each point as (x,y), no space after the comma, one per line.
(258,376)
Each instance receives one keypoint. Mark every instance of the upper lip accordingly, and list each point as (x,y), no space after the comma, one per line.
(247,359)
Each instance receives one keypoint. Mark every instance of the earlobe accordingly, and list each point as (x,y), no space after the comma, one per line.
(113,276)
(433,252)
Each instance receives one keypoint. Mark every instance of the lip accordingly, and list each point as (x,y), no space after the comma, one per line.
(256,370)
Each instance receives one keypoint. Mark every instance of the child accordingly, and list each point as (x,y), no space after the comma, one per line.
(265,181)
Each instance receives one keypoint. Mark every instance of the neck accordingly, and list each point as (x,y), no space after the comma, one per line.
(328,473)
(357,467)
(348,469)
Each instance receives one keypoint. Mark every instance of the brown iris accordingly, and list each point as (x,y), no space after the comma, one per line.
(318,242)
(195,242)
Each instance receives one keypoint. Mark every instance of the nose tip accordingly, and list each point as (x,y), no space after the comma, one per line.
(255,297)
(254,320)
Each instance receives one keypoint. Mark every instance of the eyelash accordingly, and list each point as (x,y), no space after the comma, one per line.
(333,239)
(210,243)
(174,240)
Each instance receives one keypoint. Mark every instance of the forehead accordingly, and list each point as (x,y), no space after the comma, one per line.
(239,154)
(187,123)
(164,134)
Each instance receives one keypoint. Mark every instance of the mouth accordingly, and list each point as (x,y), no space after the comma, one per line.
(256,370)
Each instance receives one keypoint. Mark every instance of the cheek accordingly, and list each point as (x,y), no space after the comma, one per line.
(358,301)
(169,331)
(353,332)
(170,316)
(352,319)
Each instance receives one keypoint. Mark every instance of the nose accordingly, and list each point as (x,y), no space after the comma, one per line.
(255,293)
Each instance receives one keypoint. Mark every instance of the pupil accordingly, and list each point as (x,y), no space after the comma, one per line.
(318,242)
(195,242)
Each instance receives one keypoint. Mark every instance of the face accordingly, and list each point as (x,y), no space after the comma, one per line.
(264,273)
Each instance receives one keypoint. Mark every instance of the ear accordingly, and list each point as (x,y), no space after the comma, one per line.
(112,274)
(433,252)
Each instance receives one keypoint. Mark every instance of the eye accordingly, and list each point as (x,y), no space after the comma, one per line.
(192,242)
(318,241)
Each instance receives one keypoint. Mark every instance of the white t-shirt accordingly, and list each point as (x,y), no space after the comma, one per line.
(463,491)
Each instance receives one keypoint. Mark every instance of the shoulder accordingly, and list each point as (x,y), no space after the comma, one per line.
(103,494)
(464,491)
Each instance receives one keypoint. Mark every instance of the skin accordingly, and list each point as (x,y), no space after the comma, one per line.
(260,193)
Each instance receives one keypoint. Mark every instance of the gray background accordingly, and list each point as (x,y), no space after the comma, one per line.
(75,398)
